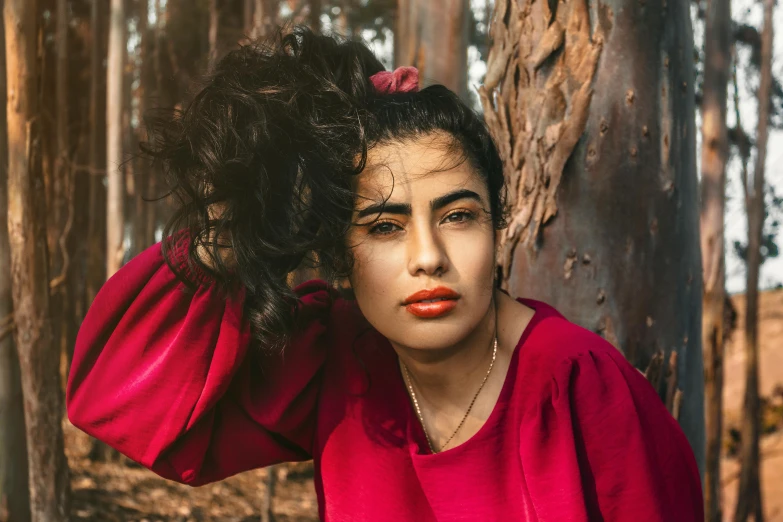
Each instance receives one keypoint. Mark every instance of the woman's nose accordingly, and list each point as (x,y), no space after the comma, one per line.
(426,252)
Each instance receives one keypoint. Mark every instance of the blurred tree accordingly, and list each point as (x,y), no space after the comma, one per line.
(314,15)
(52,158)
(432,35)
(77,224)
(114,222)
(214,26)
(748,37)
(115,81)
(61,205)
(14,498)
(247,16)
(714,156)
(184,48)
(592,107)
(749,501)
(142,73)
(96,233)
(773,212)
(261,17)
(38,356)
(367,20)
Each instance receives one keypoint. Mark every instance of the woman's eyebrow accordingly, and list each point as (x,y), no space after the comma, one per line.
(442,201)
(387,208)
(405,208)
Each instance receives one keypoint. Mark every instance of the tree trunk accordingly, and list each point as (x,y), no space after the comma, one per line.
(432,35)
(115,82)
(96,233)
(14,497)
(214,23)
(141,171)
(316,6)
(162,99)
(264,17)
(79,207)
(62,303)
(342,23)
(38,358)
(247,17)
(591,105)
(714,155)
(749,500)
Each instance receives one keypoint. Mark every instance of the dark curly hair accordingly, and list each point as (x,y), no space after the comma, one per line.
(262,162)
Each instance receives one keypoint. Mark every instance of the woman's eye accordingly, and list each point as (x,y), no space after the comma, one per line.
(383,228)
(458,217)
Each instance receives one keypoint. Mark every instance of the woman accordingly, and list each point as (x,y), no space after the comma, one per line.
(426,395)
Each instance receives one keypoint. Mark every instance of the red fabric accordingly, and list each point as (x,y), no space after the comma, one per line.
(402,79)
(166,377)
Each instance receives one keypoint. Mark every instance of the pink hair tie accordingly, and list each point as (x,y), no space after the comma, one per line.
(402,79)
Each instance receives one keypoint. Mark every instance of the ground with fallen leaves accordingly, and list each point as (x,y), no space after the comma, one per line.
(114,492)
(121,492)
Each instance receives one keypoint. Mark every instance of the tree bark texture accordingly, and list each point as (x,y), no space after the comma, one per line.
(14,497)
(38,356)
(714,156)
(749,500)
(591,104)
(432,35)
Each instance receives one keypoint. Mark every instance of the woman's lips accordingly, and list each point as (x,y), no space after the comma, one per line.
(431,309)
(432,302)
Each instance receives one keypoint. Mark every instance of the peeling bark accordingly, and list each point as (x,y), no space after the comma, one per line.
(549,70)
(591,105)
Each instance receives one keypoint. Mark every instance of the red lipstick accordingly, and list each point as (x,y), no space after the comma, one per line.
(431,303)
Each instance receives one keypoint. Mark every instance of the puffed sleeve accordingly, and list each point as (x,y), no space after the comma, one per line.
(601,446)
(168,377)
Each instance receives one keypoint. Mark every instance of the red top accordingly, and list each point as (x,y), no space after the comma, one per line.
(166,377)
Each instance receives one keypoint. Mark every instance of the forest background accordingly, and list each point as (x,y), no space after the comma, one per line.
(643,146)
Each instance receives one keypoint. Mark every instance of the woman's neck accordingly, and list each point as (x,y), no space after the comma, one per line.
(452,371)
(445,382)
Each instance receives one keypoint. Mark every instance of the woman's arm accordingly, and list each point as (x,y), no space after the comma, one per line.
(166,376)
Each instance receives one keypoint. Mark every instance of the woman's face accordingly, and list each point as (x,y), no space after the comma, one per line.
(434,231)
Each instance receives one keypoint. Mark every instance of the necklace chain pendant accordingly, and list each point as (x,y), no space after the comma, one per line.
(467,412)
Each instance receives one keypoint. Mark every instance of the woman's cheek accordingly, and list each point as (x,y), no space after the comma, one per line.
(471,253)
(375,266)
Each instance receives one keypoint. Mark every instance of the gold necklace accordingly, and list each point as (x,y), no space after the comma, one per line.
(418,410)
